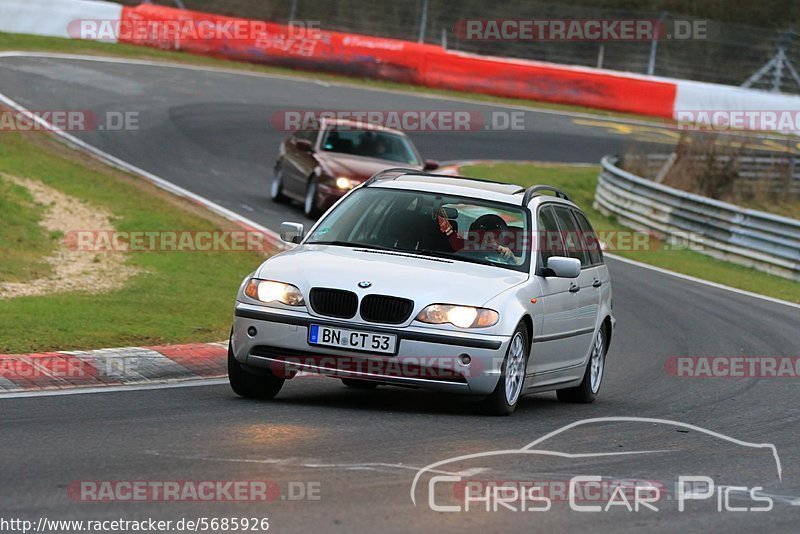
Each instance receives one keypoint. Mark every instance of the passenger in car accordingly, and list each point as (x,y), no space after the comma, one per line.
(446,227)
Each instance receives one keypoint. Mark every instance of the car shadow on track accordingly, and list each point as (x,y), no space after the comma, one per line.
(409,401)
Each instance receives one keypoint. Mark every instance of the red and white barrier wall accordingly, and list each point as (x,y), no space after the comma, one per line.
(389,59)
(409,62)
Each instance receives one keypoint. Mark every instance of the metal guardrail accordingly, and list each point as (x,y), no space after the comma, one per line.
(752,238)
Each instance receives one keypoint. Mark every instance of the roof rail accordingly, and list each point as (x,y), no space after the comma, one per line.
(534,191)
(385,174)
(400,171)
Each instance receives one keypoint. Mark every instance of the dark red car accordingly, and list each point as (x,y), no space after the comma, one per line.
(317,167)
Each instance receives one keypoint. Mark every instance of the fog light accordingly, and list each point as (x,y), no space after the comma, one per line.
(251,331)
(465,359)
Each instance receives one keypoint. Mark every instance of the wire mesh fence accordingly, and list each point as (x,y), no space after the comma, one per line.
(727,53)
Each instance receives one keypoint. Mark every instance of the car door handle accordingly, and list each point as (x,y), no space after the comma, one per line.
(574,288)
(597,283)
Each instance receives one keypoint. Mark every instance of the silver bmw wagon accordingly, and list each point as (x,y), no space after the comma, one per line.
(430,281)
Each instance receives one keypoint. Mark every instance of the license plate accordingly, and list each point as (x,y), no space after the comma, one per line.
(352,339)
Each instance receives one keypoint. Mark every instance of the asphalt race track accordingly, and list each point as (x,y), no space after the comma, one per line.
(210,133)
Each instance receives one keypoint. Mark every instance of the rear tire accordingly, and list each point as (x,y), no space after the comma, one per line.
(505,397)
(359,384)
(310,203)
(251,385)
(276,187)
(586,392)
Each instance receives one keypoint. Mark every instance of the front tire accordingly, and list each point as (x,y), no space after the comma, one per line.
(587,391)
(250,385)
(310,203)
(506,395)
(276,187)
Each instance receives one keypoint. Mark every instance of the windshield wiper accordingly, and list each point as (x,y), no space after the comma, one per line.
(445,255)
(421,252)
(349,244)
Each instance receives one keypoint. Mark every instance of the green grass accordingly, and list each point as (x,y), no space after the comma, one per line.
(177,297)
(24,244)
(580,183)
(9,41)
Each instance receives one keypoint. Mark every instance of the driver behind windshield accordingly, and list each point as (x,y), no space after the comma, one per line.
(489,230)
(485,235)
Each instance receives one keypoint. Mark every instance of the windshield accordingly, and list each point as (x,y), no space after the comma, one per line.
(458,228)
(370,144)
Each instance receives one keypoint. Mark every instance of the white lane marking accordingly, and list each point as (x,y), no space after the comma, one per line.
(248,208)
(294,462)
(171,384)
(377,466)
(701,281)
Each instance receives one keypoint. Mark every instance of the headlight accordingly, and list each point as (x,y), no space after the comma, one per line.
(346,183)
(269,291)
(460,316)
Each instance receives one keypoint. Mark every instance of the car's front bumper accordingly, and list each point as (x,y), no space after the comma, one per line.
(426,357)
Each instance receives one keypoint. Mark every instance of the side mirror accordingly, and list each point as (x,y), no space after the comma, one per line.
(430,165)
(292,232)
(304,145)
(562,267)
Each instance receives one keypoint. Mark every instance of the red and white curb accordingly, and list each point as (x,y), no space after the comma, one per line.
(128,366)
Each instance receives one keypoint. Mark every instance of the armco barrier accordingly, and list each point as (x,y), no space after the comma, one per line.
(756,239)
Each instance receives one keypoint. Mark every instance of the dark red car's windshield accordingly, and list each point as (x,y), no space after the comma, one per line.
(370,144)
